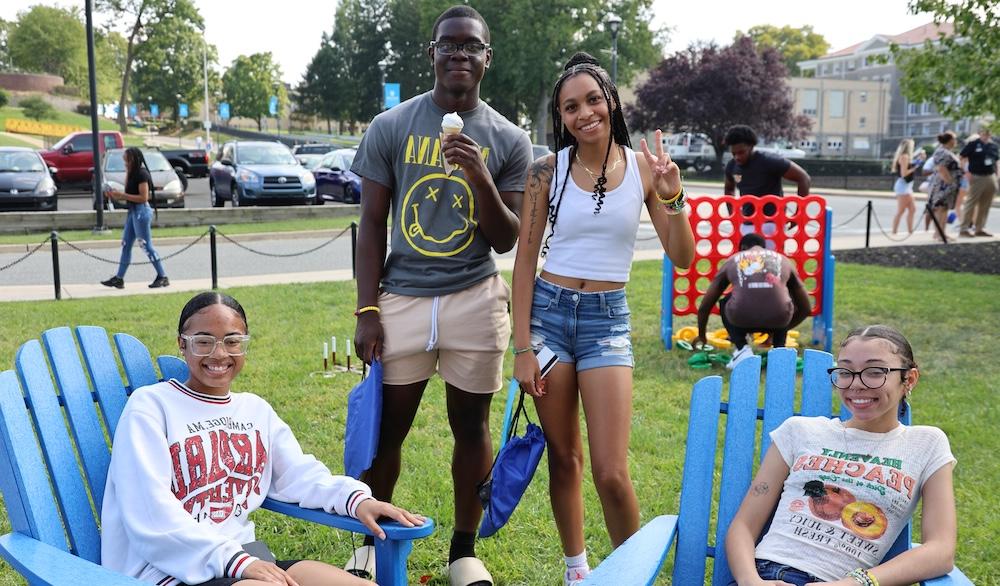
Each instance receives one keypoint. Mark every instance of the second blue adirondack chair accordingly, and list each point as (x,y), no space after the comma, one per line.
(54,457)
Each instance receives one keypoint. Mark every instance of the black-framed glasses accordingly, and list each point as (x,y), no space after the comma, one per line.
(470,48)
(873,377)
(204,344)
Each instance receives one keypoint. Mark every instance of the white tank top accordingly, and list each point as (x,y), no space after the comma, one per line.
(588,246)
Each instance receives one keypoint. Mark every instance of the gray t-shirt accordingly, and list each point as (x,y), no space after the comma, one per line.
(436,248)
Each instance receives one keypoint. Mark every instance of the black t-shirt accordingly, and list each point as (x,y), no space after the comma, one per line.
(760,176)
(132,182)
(982,157)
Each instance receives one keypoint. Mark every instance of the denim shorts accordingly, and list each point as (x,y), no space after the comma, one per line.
(769,570)
(589,330)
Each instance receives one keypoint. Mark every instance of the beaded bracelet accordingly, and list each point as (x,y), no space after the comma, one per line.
(360,310)
(863,577)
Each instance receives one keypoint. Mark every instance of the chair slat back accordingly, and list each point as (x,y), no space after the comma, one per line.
(104,374)
(136,361)
(58,451)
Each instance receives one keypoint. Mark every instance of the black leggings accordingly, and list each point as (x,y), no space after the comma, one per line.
(738,335)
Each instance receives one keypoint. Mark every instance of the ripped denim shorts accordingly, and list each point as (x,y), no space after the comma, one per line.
(590,330)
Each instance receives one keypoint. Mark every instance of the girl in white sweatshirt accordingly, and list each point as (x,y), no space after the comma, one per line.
(191,460)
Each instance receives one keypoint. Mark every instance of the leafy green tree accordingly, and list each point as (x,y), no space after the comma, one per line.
(4,98)
(6,28)
(51,40)
(957,73)
(319,93)
(36,108)
(410,24)
(109,51)
(170,62)
(794,44)
(250,82)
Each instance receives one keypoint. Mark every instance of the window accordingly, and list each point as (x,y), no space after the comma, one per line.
(109,142)
(860,144)
(862,121)
(810,99)
(866,62)
(826,68)
(83,142)
(912,109)
(851,64)
(835,144)
(927,128)
(911,129)
(836,100)
(836,67)
(863,97)
(925,108)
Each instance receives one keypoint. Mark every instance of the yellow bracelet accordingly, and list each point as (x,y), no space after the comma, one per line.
(367,308)
(670,200)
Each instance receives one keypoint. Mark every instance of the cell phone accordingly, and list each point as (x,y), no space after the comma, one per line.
(546,359)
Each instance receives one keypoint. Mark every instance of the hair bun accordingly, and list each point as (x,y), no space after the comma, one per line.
(581,58)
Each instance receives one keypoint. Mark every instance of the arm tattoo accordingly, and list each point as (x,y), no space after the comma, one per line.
(539,178)
(760,489)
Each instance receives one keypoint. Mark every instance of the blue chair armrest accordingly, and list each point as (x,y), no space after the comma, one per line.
(393,530)
(41,563)
(953,578)
(638,560)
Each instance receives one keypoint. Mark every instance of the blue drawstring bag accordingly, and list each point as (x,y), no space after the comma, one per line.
(364,419)
(511,473)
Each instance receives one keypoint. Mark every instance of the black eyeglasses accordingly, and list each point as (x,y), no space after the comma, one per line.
(471,48)
(873,377)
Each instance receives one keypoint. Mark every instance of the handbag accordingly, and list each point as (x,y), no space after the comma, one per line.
(364,421)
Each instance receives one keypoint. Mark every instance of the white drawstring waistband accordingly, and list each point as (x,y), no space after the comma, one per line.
(434,325)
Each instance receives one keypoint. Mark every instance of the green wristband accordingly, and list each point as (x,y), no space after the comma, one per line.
(521,350)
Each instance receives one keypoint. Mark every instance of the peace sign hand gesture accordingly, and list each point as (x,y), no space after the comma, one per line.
(666,173)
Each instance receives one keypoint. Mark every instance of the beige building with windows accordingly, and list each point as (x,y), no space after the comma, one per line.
(850,118)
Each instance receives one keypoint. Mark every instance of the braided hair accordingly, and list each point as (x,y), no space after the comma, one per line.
(579,64)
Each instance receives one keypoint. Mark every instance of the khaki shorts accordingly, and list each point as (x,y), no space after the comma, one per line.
(462,336)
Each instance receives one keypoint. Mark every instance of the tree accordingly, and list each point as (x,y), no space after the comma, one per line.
(708,89)
(109,51)
(320,92)
(957,73)
(51,40)
(36,108)
(250,82)
(170,62)
(6,28)
(794,44)
(4,98)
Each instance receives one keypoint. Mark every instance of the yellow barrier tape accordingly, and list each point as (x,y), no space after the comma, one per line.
(22,126)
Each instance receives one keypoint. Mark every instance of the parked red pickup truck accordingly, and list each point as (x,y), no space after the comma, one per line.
(73,155)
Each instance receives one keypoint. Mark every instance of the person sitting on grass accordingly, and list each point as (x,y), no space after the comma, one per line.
(842,491)
(191,460)
(767,296)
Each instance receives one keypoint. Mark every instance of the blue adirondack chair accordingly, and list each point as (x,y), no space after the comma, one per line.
(638,560)
(50,504)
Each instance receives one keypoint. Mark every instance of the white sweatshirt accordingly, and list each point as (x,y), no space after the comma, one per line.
(187,469)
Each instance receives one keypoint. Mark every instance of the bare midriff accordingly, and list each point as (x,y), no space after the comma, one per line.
(577,284)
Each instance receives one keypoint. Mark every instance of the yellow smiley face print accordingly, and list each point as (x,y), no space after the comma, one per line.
(438,215)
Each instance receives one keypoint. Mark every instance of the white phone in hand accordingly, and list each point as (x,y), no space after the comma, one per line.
(546,359)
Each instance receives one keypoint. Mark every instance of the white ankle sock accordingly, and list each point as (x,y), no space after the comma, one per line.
(577,561)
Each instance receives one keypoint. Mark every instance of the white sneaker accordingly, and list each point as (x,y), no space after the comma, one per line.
(362,562)
(741,355)
(575,576)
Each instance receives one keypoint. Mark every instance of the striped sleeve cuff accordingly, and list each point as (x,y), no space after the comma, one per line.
(240,561)
(356,498)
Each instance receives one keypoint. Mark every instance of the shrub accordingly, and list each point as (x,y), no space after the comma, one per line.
(37,109)
(82,108)
(66,90)
(4,98)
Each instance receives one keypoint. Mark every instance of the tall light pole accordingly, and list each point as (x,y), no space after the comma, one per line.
(180,121)
(98,182)
(614,23)
(381,67)
(205,121)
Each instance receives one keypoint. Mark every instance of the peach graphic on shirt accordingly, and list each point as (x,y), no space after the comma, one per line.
(864,520)
(826,501)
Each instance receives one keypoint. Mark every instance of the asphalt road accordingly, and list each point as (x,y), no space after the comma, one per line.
(75,200)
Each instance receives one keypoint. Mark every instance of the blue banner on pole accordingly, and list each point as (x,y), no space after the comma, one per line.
(390,95)
(224,110)
(154,110)
(272,105)
(183,110)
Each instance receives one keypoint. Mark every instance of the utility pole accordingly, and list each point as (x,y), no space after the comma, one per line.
(98,184)
(205,121)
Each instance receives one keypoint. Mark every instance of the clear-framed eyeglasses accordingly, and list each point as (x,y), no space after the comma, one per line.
(470,48)
(204,344)
(873,377)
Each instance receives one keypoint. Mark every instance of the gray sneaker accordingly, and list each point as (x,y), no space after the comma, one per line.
(741,355)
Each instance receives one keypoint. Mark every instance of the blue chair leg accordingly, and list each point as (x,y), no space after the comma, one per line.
(390,561)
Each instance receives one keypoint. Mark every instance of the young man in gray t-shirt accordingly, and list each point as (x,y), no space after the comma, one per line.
(437,303)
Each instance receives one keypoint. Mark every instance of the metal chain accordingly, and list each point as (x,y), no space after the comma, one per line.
(882,230)
(851,219)
(30,252)
(136,263)
(283,255)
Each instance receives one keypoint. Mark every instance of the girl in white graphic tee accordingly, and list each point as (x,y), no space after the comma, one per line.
(192,460)
(849,488)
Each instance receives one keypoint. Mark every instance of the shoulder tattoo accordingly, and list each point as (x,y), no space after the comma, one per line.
(539,178)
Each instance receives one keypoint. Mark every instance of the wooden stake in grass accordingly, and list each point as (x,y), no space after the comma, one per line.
(333,347)
(326,352)
(348,354)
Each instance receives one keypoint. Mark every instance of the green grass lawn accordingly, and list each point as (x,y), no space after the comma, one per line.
(8,140)
(946,316)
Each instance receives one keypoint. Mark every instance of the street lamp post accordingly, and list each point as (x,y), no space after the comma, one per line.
(180,122)
(381,67)
(614,23)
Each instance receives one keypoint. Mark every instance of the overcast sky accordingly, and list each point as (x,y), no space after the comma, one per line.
(291,30)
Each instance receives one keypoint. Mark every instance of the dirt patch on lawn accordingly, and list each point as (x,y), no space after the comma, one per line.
(979,257)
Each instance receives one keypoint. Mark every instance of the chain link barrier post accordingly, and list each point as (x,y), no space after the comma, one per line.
(215,258)
(354,250)
(868,223)
(54,238)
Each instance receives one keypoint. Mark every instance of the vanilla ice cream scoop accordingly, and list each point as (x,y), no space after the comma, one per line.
(451,123)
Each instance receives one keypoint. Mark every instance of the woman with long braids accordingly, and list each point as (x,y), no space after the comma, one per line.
(590,194)
(139,221)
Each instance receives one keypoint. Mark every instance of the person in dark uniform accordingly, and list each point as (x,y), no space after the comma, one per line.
(758,173)
(982,155)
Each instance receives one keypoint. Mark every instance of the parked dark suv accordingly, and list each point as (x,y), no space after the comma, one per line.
(253,172)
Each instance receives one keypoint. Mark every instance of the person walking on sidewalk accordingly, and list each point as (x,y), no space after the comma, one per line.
(947,181)
(437,302)
(904,167)
(982,155)
(139,221)
(767,297)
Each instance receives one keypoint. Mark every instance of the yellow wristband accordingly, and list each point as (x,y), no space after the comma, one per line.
(669,200)
(367,308)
